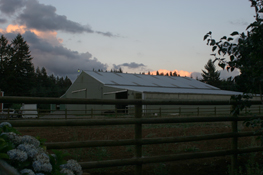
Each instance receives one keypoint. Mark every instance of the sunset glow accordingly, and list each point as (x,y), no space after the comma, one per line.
(180,72)
(48,35)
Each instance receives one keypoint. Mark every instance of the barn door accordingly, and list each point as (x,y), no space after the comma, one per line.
(121,108)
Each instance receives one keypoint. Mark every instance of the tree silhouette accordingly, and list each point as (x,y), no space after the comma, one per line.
(211,75)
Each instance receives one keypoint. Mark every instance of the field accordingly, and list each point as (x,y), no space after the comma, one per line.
(215,165)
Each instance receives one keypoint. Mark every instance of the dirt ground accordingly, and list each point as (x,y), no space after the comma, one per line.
(215,165)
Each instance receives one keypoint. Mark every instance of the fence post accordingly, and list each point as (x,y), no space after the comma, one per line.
(8,113)
(179,111)
(37,113)
(91,112)
(215,110)
(197,111)
(234,147)
(138,135)
(66,113)
(160,111)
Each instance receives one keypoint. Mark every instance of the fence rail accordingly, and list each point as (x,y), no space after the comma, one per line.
(138,141)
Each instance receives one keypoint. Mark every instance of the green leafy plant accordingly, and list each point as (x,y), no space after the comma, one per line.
(28,154)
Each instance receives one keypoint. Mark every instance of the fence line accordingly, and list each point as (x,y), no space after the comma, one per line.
(138,141)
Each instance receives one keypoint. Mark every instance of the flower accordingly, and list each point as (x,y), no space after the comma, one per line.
(30,140)
(16,154)
(27,172)
(41,163)
(67,171)
(72,165)
(5,124)
(30,149)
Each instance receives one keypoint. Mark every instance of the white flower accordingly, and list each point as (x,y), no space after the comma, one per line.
(41,163)
(12,137)
(30,149)
(67,171)
(16,154)
(27,172)
(73,165)
(37,166)
(30,140)
(5,124)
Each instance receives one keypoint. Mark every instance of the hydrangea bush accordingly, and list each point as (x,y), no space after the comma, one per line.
(28,155)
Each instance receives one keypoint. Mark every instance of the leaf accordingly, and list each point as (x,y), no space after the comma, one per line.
(222,65)
(260,11)
(214,48)
(209,33)
(234,33)
(224,37)
(232,57)
(206,36)
(229,39)
(212,42)
(4,156)
(207,41)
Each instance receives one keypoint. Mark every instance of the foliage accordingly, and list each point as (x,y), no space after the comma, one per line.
(211,76)
(244,51)
(18,76)
(17,70)
(28,155)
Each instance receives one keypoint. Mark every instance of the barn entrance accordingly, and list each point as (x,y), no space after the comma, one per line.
(121,108)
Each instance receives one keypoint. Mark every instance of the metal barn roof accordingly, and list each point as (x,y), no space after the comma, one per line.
(153,83)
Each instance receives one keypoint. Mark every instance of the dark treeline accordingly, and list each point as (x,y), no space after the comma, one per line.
(18,77)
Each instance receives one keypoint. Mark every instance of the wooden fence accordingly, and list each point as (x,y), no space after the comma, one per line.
(138,141)
(160,112)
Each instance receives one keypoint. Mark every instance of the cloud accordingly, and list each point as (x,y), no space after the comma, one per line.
(2,20)
(9,7)
(131,65)
(48,52)
(224,74)
(44,17)
(196,75)
(109,34)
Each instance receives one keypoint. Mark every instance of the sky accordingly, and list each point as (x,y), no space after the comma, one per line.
(137,36)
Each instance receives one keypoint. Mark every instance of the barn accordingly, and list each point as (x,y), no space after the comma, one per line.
(112,85)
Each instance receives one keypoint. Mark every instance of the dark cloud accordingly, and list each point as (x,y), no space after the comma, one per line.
(131,65)
(43,17)
(57,59)
(2,20)
(9,7)
(109,34)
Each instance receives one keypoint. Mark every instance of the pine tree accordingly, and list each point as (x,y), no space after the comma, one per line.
(211,75)
(4,57)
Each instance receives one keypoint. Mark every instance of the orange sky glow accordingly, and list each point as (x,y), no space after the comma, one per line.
(180,72)
(22,29)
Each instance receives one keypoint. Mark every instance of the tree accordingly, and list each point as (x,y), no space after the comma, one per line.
(211,75)
(246,54)
(17,70)
(4,57)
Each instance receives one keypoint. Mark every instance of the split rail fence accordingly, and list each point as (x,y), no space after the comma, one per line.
(138,141)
